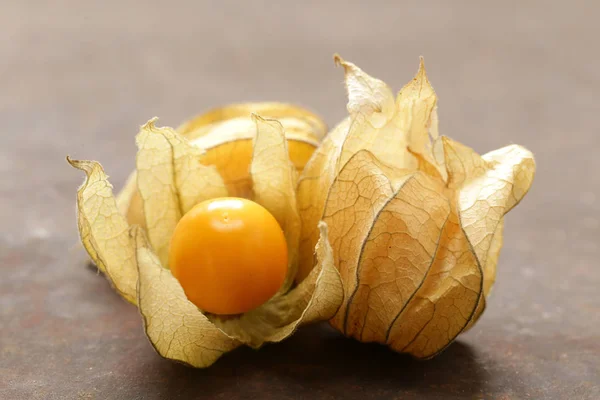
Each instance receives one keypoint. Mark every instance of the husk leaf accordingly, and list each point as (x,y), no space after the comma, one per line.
(104,231)
(170,180)
(274,181)
(175,327)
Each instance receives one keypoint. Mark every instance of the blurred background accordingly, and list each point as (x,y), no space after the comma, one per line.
(79,77)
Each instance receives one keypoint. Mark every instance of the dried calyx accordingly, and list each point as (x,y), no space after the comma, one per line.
(415,219)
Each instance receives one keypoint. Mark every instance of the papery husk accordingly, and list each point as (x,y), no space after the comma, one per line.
(416,220)
(104,231)
(170,180)
(225,134)
(274,179)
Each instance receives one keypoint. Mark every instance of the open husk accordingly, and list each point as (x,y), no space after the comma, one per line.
(128,239)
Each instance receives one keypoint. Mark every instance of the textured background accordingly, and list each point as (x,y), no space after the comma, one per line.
(79,78)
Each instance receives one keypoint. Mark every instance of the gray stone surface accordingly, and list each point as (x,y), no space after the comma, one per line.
(79,77)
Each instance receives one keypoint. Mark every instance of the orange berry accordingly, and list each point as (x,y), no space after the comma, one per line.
(229,255)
